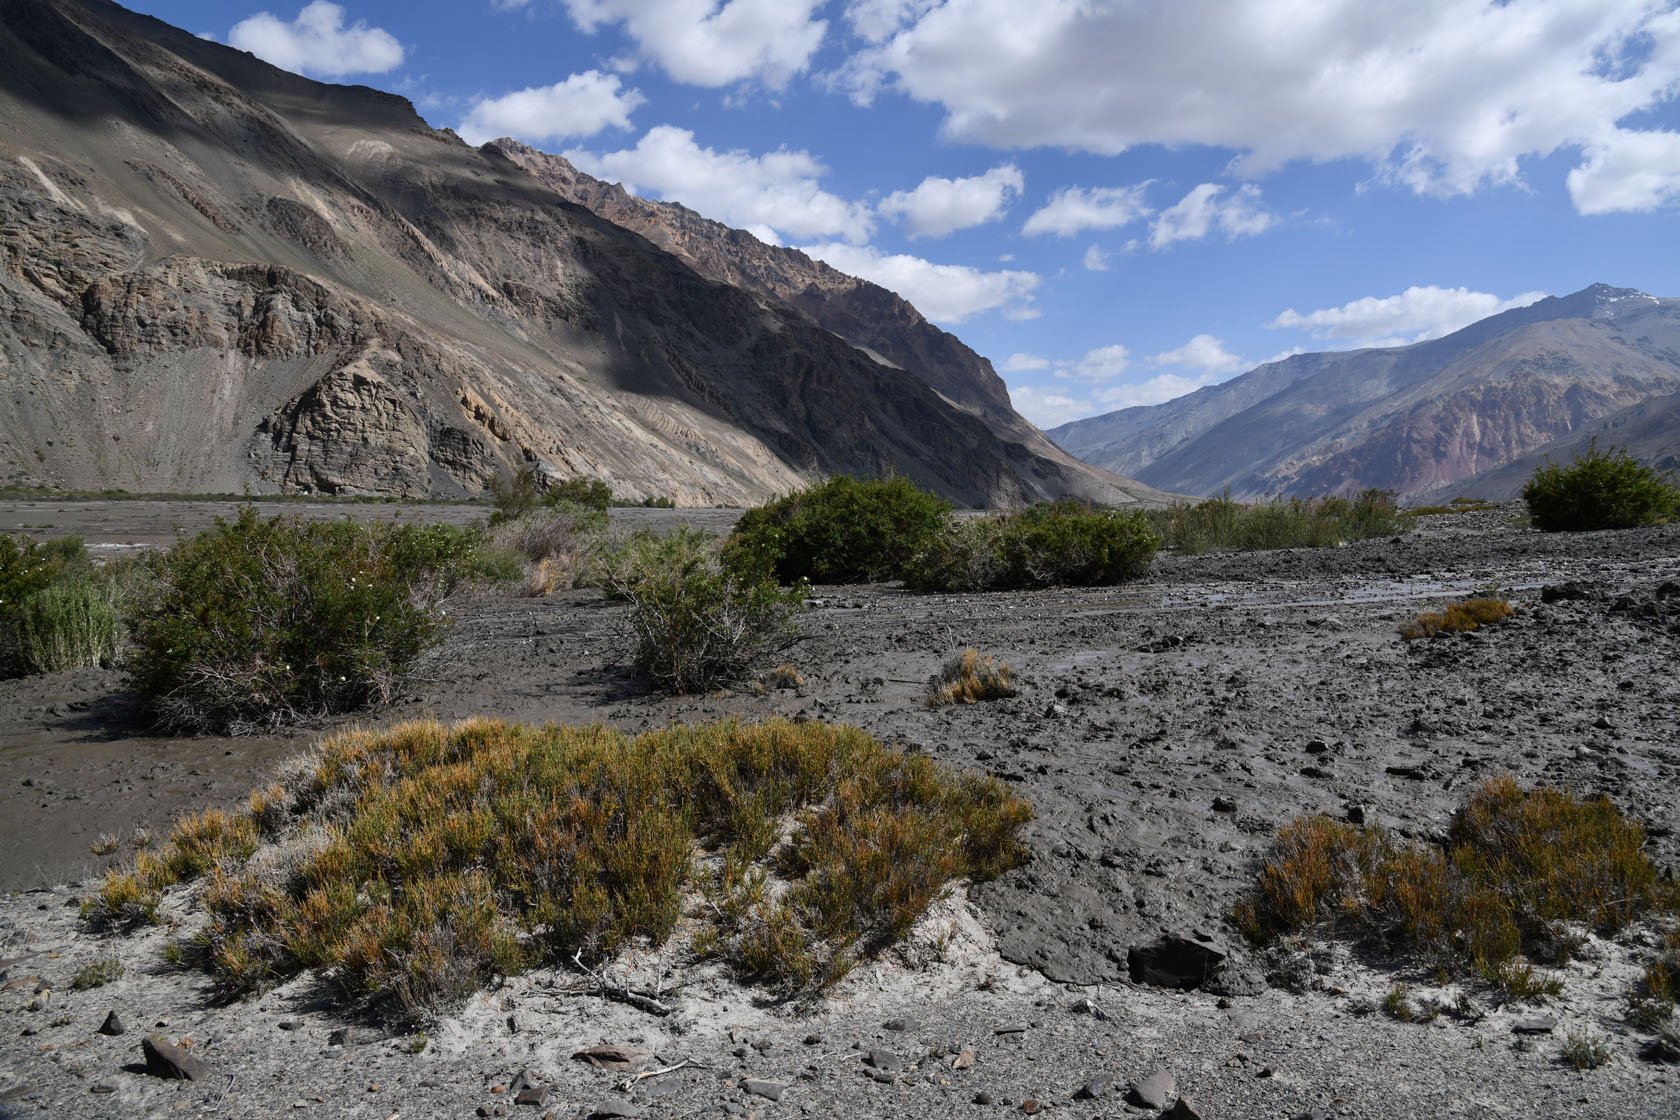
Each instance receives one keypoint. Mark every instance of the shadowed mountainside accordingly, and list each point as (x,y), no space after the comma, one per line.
(216,274)
(1415,419)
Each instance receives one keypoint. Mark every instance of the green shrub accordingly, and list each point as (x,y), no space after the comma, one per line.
(1224,525)
(1599,490)
(618,562)
(694,626)
(96,975)
(67,625)
(1053,544)
(253,623)
(1516,867)
(520,495)
(421,862)
(844,530)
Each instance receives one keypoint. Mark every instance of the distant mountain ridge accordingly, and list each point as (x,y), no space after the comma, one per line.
(1415,419)
(217,274)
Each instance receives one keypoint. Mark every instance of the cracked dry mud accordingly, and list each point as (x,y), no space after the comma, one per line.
(1164,730)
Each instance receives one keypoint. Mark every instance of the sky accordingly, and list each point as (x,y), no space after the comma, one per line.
(1116,201)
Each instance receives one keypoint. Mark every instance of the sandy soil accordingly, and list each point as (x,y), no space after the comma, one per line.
(1163,731)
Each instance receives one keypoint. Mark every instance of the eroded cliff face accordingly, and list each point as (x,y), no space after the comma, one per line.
(215,274)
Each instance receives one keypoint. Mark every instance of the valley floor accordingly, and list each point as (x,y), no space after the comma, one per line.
(1164,730)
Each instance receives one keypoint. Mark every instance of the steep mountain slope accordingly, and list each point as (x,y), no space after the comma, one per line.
(1649,430)
(1412,418)
(214,273)
(867,315)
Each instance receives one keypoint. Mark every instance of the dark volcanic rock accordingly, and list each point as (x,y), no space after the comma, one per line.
(1174,961)
(171,1062)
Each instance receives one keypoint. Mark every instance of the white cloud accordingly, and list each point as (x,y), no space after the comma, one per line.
(704,43)
(1441,96)
(875,20)
(1095,259)
(777,191)
(1207,208)
(1204,352)
(1047,407)
(941,206)
(1412,316)
(1157,390)
(945,293)
(1024,363)
(1100,364)
(1073,209)
(1628,170)
(318,43)
(582,105)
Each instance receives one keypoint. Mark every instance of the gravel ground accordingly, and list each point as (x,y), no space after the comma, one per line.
(1163,732)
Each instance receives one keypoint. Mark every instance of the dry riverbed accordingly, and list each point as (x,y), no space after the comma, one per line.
(1164,730)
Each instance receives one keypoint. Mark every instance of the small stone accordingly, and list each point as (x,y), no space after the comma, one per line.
(1094,1087)
(882,1076)
(1224,804)
(522,1080)
(965,1060)
(532,1094)
(769,1090)
(982,1097)
(884,1059)
(171,1062)
(1538,1024)
(901,1024)
(616,1058)
(733,1109)
(1011,1028)
(1030,1105)
(663,1087)
(1153,1091)
(1355,814)
(339,1037)
(608,1109)
(1087,1007)
(1174,961)
(813,1040)
(1317,746)
(1312,1114)
(1660,1050)
(101,1088)
(1184,1110)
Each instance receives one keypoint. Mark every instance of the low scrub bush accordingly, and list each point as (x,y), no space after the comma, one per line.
(554,542)
(255,622)
(1053,544)
(1458,618)
(1599,490)
(1223,524)
(416,864)
(528,491)
(844,530)
(96,975)
(694,626)
(622,560)
(1517,867)
(968,677)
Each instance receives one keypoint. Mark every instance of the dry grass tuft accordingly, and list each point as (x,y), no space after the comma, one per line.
(1518,867)
(1458,618)
(419,863)
(968,677)
(783,676)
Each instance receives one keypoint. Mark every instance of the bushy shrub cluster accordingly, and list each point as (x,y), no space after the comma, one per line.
(552,545)
(969,677)
(843,530)
(1223,524)
(1458,618)
(1516,863)
(528,491)
(694,625)
(257,622)
(1599,490)
(58,611)
(1053,544)
(418,863)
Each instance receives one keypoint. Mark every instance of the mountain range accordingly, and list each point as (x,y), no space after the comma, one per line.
(216,274)
(1470,412)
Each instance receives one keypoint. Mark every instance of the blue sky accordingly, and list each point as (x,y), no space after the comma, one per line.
(1115,200)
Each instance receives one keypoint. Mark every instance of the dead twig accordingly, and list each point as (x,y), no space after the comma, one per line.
(630,1083)
(623,993)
